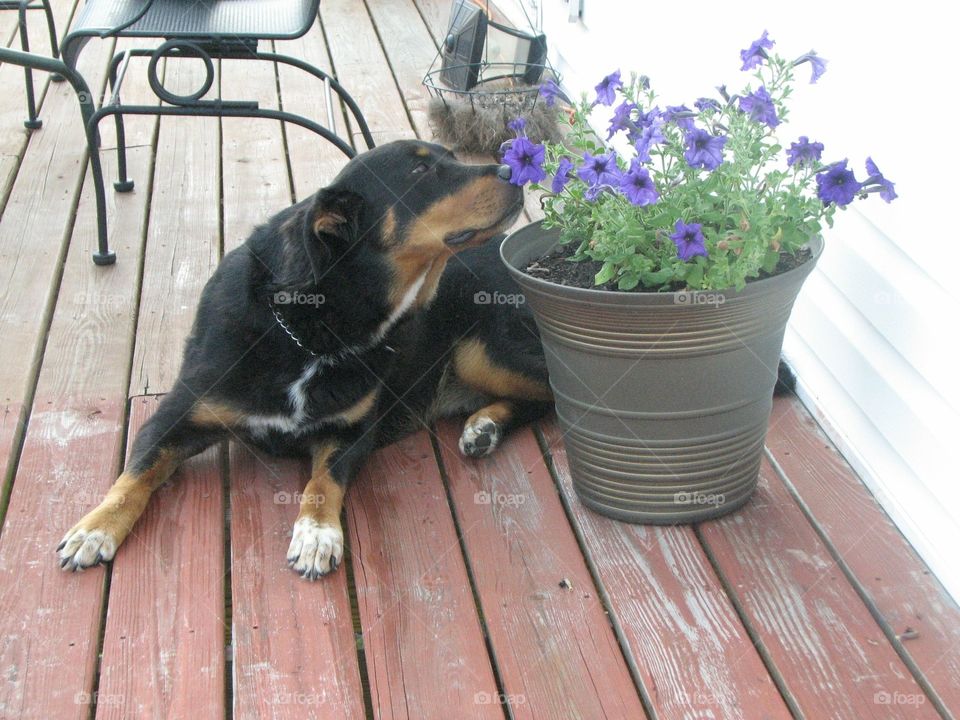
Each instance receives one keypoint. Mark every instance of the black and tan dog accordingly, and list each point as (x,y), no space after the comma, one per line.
(339,326)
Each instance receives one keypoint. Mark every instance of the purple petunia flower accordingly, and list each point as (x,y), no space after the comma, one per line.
(703,104)
(622,119)
(837,185)
(703,149)
(599,170)
(594,191)
(517,125)
(525,160)
(607,89)
(879,182)
(648,137)
(817,64)
(680,115)
(759,106)
(756,53)
(563,175)
(549,91)
(689,240)
(653,116)
(638,186)
(804,152)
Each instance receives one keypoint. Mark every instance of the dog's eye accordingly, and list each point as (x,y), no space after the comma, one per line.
(421,168)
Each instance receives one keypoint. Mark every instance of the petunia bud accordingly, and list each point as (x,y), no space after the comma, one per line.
(744,223)
(775,243)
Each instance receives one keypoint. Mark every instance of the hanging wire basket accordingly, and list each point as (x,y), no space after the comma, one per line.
(463,71)
(496,83)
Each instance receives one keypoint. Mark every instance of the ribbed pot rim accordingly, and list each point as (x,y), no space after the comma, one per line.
(511,246)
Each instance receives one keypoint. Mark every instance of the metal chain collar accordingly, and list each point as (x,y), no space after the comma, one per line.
(293,336)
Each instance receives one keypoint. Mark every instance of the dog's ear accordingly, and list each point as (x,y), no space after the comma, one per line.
(330,227)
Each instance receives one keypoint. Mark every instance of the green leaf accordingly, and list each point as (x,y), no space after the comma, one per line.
(629,281)
(606,273)
(694,276)
(770,260)
(658,278)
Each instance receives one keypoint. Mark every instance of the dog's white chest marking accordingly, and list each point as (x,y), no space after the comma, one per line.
(409,297)
(298,418)
(297,397)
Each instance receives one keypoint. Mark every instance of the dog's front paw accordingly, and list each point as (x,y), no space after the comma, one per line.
(85,547)
(315,549)
(480,437)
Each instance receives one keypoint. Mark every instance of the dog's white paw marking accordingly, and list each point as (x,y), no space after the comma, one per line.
(315,549)
(480,437)
(85,548)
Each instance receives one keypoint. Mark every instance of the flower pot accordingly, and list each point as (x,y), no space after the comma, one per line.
(663,398)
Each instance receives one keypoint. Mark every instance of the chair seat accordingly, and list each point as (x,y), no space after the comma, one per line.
(190,19)
(262,19)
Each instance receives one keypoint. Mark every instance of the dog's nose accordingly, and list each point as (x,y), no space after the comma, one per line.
(504,172)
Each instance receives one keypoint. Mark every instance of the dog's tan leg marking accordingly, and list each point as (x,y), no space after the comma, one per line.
(101,531)
(473,365)
(212,413)
(317,544)
(359,410)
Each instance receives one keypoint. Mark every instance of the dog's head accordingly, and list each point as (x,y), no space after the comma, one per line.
(407,206)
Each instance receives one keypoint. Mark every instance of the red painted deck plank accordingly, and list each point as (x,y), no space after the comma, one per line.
(410,50)
(832,656)
(423,643)
(362,68)
(11,417)
(692,652)
(37,219)
(314,162)
(163,649)
(554,647)
(50,620)
(183,248)
(294,650)
(896,579)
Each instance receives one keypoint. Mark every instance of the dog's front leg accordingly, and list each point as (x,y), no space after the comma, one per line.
(182,426)
(316,548)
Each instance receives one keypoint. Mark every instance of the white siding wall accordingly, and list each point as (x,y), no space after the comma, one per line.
(874,335)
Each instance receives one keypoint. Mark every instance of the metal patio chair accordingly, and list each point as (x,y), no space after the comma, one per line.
(204,29)
(21,6)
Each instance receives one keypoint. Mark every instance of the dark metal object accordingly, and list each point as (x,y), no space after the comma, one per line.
(462,48)
(103,256)
(468,73)
(21,6)
(204,29)
(664,398)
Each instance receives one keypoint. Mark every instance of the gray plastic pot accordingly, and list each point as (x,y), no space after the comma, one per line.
(663,398)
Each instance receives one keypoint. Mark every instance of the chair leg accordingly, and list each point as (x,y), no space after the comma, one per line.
(32,122)
(103,255)
(54,45)
(123,183)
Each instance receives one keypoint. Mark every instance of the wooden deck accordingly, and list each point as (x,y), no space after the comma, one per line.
(472,589)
